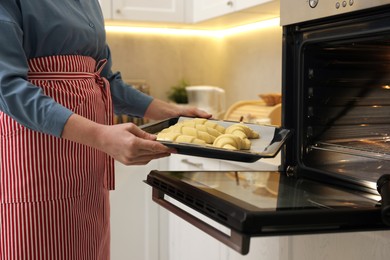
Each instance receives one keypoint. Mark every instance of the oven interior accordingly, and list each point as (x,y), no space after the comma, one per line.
(342,102)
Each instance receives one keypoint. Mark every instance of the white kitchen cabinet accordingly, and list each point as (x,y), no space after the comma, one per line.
(178,11)
(148,10)
(200,10)
(357,246)
(137,223)
(190,243)
(243,4)
(106,8)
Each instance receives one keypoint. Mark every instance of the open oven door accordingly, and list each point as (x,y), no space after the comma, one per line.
(263,203)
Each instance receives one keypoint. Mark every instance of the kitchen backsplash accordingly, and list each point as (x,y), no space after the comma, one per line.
(244,64)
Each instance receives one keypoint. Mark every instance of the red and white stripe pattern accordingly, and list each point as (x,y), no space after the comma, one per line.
(53,192)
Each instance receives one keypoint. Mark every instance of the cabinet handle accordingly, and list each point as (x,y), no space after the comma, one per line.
(118,11)
(198,165)
(230,3)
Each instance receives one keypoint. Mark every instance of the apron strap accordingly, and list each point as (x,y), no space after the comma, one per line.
(59,75)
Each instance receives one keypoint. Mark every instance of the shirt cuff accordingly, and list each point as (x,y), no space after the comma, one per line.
(58,118)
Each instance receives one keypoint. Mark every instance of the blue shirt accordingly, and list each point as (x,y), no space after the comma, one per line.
(37,28)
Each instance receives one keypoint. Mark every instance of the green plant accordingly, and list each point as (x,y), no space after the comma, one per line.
(178,93)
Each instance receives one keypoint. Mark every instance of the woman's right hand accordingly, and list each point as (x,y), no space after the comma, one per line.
(130,145)
(126,143)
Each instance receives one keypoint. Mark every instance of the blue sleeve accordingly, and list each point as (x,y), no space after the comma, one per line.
(28,31)
(24,102)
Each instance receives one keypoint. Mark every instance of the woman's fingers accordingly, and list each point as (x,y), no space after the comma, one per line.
(139,132)
(137,146)
(194,112)
(142,160)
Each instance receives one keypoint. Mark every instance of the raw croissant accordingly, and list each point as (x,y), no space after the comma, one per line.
(211,131)
(190,131)
(195,121)
(180,138)
(202,131)
(232,142)
(205,122)
(242,131)
(217,127)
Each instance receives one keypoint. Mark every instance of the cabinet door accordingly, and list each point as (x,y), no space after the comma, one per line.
(137,225)
(190,243)
(149,10)
(106,8)
(341,246)
(206,9)
(242,4)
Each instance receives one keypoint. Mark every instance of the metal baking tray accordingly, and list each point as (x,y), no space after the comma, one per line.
(267,146)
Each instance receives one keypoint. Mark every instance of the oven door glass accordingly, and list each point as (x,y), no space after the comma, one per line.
(264,203)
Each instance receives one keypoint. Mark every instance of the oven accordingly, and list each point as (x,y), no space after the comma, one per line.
(334,174)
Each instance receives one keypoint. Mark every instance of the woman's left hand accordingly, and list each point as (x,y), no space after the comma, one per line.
(160,110)
(193,112)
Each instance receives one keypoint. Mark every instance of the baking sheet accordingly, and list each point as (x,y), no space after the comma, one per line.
(267,146)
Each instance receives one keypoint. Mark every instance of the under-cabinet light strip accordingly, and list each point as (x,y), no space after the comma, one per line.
(194,32)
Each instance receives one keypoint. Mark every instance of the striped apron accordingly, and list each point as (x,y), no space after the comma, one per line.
(54,193)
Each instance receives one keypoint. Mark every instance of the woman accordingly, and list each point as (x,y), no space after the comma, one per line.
(57,144)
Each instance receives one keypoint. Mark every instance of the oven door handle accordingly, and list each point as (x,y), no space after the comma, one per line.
(383,186)
(236,241)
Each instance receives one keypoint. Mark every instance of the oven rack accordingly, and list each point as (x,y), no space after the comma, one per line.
(375,148)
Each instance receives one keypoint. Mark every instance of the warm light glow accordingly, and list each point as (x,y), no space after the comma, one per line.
(194,32)
(386,87)
(160,31)
(249,27)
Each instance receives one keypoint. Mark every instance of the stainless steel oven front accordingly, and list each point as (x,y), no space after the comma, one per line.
(336,102)
(293,12)
(337,97)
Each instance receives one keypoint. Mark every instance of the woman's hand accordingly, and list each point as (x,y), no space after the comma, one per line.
(127,143)
(124,142)
(192,112)
(160,110)
(130,145)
